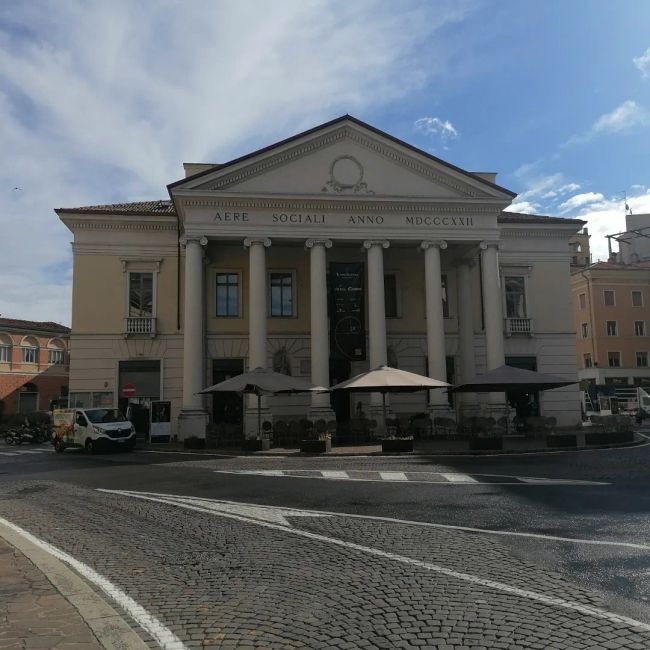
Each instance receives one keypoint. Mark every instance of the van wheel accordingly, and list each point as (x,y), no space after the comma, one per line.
(59,447)
(89,446)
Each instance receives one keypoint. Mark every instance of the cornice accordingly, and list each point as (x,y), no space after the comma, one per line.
(119,225)
(345,132)
(537,232)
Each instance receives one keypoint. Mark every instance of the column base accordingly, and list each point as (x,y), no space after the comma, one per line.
(192,423)
(252,421)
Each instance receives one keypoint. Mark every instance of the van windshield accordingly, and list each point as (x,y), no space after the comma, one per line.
(97,416)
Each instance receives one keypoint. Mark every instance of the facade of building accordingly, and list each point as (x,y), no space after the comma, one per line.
(34,365)
(336,250)
(611,306)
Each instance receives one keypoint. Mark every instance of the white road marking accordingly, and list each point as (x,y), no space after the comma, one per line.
(393,476)
(459,478)
(334,474)
(587,610)
(9,453)
(446,478)
(165,638)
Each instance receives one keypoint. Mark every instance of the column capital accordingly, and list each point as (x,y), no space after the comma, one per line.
(199,239)
(249,241)
(430,243)
(369,243)
(310,243)
(484,245)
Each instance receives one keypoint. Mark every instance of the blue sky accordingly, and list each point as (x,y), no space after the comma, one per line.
(101,101)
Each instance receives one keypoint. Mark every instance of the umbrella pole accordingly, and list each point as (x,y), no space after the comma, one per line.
(259,415)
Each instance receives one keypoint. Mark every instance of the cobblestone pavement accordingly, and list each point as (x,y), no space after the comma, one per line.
(33,614)
(219,580)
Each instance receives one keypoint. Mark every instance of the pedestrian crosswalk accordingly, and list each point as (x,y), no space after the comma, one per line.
(441,478)
(25,451)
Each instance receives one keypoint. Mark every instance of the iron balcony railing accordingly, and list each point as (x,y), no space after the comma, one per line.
(140,325)
(519,326)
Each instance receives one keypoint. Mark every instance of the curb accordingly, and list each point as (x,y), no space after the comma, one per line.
(110,628)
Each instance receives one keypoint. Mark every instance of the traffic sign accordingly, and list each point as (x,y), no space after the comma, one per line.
(128,390)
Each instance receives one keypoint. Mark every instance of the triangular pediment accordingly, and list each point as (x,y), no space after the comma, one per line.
(344,157)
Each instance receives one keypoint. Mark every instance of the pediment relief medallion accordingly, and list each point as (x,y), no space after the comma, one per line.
(346,175)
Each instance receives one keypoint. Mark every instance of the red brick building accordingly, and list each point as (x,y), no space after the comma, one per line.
(34,364)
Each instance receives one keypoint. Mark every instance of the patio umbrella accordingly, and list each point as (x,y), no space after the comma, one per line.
(389,380)
(509,378)
(262,381)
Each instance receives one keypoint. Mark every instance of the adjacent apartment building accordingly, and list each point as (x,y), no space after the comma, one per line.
(34,364)
(336,250)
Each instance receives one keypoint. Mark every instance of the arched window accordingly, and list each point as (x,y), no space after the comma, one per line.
(28,398)
(5,348)
(29,346)
(282,362)
(56,352)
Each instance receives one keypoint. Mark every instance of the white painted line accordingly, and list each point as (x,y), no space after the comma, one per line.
(9,453)
(553,601)
(31,451)
(165,638)
(458,478)
(334,474)
(393,476)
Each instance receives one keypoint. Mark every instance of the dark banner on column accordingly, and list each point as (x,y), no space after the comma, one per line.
(346,310)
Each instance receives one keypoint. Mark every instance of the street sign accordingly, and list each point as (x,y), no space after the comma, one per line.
(128,390)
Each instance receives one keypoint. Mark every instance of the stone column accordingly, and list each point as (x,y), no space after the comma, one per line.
(257,331)
(492,312)
(376,312)
(192,419)
(435,321)
(466,330)
(320,349)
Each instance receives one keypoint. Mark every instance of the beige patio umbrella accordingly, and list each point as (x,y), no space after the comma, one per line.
(389,380)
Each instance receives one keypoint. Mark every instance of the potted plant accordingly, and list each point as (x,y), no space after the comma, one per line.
(320,445)
(397,444)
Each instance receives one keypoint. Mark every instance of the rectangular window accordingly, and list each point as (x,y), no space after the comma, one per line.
(55,357)
(282,293)
(5,354)
(639,328)
(140,295)
(637,299)
(583,300)
(612,328)
(609,298)
(587,359)
(30,355)
(584,329)
(614,359)
(641,359)
(515,287)
(227,298)
(391,295)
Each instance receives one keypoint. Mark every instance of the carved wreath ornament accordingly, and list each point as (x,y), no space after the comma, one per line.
(346,173)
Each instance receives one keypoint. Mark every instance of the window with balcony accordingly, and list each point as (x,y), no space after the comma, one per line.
(639,328)
(609,298)
(140,314)
(584,330)
(282,293)
(641,359)
(588,362)
(614,359)
(228,294)
(515,288)
(582,299)
(612,328)
(637,299)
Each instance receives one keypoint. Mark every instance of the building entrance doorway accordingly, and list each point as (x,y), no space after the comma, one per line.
(340,400)
(227,408)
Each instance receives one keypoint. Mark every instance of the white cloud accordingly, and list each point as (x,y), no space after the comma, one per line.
(643,63)
(524,207)
(581,199)
(444,129)
(101,102)
(622,119)
(541,190)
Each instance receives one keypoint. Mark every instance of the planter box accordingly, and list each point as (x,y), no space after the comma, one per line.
(485,444)
(610,438)
(253,444)
(562,440)
(396,446)
(194,443)
(315,446)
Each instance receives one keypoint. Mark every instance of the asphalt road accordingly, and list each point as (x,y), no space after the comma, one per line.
(572,525)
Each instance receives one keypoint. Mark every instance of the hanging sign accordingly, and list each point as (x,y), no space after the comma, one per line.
(347,312)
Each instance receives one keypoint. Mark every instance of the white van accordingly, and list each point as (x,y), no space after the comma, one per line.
(91,429)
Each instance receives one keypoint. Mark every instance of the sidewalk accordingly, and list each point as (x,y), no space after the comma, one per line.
(33,614)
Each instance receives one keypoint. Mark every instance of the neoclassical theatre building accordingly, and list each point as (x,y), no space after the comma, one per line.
(337,250)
